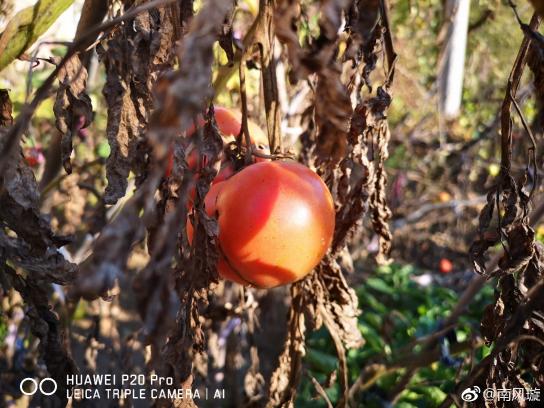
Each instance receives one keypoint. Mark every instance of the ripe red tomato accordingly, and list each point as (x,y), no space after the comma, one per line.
(445,265)
(229,124)
(276,222)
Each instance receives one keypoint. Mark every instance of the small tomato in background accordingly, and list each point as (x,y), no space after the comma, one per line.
(229,124)
(34,155)
(445,265)
(444,197)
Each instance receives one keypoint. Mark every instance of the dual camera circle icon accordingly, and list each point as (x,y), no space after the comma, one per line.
(29,386)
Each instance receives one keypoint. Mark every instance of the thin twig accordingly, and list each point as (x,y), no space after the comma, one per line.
(244,130)
(533,142)
(426,208)
(414,361)
(511,89)
(321,392)
(388,42)
(265,40)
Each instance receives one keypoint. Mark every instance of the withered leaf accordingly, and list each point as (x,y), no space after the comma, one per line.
(340,301)
(332,114)
(49,265)
(20,201)
(226,37)
(332,103)
(5,109)
(286,377)
(34,249)
(521,249)
(323,296)
(73,108)
(134,56)
(363,26)
(99,272)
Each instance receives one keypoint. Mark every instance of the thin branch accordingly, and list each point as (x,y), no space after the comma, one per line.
(511,89)
(426,208)
(321,392)
(533,142)
(265,40)
(244,130)
(388,42)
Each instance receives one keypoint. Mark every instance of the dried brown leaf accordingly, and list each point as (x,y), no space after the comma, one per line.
(34,249)
(286,377)
(5,109)
(73,108)
(99,273)
(49,266)
(134,56)
(365,31)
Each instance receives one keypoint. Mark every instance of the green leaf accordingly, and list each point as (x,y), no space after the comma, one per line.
(27,26)
(380,286)
(320,361)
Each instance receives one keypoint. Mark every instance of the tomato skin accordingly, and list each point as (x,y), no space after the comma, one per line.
(276,222)
(229,123)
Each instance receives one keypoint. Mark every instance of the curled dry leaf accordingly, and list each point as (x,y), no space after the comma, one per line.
(20,200)
(367,26)
(226,37)
(154,286)
(5,109)
(73,108)
(49,265)
(332,114)
(369,131)
(340,302)
(99,273)
(380,212)
(515,322)
(332,103)
(35,249)
(180,98)
(287,376)
(322,297)
(134,56)
(195,274)
(286,17)
(364,29)
(45,325)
